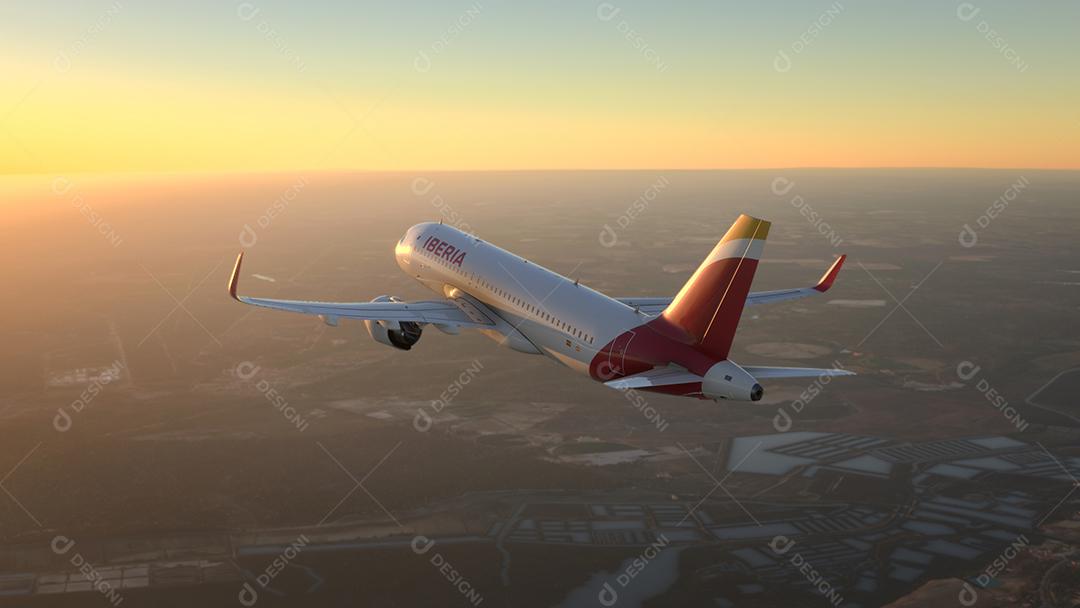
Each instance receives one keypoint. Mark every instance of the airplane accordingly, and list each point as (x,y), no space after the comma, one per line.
(675,346)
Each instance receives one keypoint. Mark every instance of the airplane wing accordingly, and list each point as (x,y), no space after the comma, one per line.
(655,306)
(439,312)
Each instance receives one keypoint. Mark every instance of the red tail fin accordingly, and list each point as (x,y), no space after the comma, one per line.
(709,306)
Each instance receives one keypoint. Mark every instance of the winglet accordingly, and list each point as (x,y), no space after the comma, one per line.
(826,280)
(235,277)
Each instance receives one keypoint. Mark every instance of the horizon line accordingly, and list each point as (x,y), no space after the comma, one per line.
(227,172)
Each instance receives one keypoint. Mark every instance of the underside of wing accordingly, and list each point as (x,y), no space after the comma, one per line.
(655,306)
(438,312)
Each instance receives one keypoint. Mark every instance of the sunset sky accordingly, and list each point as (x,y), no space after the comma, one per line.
(117,86)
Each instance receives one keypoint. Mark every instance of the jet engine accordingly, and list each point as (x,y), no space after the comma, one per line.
(726,380)
(401,335)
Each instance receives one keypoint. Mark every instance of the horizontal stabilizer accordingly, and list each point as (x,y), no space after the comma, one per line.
(794,372)
(781,295)
(660,376)
(656,305)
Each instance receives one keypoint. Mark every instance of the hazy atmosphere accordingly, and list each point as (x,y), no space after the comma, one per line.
(163,444)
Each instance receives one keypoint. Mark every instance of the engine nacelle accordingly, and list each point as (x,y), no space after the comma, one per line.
(402,335)
(726,380)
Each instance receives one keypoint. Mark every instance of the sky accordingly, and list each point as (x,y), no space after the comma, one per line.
(115,86)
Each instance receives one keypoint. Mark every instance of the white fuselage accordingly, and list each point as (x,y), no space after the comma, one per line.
(539,311)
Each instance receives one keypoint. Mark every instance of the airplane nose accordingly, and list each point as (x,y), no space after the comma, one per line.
(756,393)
